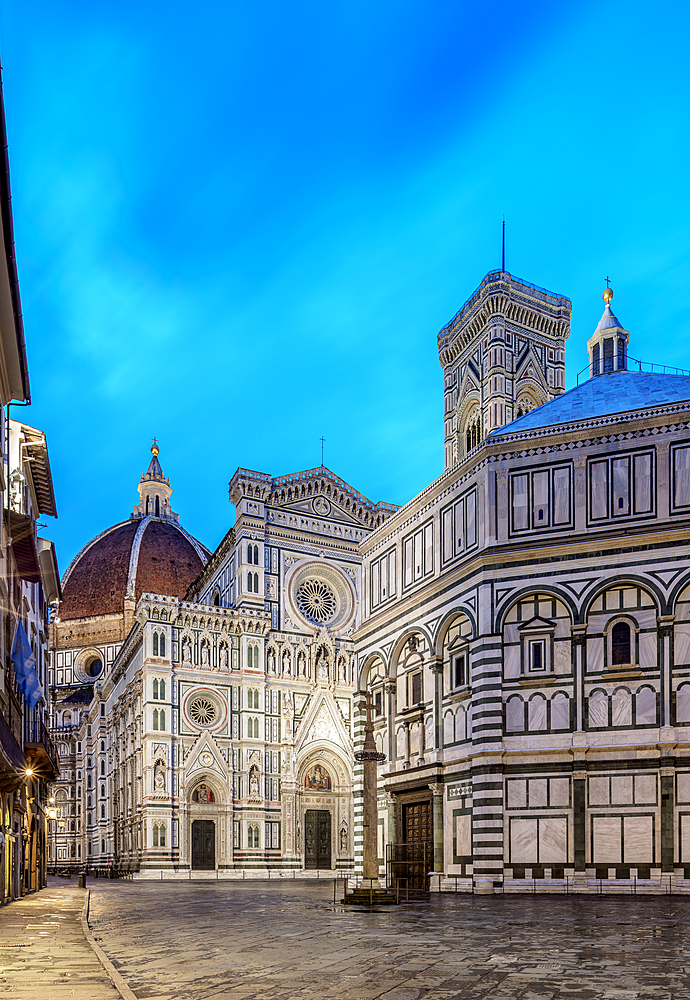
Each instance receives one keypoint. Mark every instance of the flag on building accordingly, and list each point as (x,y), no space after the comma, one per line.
(24,661)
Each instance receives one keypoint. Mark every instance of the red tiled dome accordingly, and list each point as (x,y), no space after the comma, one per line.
(142,555)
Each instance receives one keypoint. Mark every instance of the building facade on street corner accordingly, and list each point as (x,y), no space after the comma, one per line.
(527,635)
(29,584)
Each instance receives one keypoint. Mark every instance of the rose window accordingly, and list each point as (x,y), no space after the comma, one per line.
(203,711)
(316,601)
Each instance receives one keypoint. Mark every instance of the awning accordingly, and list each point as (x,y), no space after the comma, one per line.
(24,547)
(49,570)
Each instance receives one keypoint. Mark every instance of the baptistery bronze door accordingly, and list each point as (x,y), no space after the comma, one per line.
(203,844)
(418,836)
(317,839)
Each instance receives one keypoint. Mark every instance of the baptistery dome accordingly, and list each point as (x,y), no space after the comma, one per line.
(150,552)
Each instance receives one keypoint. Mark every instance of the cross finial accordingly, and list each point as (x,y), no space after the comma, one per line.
(608,280)
(154,447)
(322,439)
(368,705)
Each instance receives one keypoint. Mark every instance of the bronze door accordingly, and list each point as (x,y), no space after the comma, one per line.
(203,844)
(317,839)
(419,842)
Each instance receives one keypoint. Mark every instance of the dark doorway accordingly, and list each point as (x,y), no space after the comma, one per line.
(203,844)
(317,839)
(418,842)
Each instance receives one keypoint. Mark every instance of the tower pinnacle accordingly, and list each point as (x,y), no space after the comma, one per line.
(154,491)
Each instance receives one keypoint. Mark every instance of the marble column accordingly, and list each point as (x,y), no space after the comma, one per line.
(438,820)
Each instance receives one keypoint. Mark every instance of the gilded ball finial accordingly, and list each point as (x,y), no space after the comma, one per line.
(154,447)
(608,295)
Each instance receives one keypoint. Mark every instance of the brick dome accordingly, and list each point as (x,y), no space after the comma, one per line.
(146,554)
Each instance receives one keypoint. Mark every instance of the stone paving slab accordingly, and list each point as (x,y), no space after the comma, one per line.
(288,941)
(57,961)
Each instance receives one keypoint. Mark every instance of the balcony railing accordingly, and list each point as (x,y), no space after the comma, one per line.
(41,749)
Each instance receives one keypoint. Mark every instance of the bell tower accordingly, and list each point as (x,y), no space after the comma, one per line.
(502,354)
(608,346)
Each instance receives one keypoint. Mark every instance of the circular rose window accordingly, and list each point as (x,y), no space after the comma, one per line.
(316,601)
(203,711)
(321,595)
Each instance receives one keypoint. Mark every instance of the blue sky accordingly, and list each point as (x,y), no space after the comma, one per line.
(240,226)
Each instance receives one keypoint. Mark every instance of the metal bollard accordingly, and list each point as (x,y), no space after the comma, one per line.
(82,880)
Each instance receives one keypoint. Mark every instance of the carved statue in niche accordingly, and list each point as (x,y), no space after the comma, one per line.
(186,651)
(271,661)
(342,669)
(254,785)
(301,664)
(287,714)
(287,663)
(223,657)
(322,663)
(204,653)
(159,776)
(343,839)
(203,794)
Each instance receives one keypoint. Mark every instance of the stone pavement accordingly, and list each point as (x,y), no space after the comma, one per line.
(284,941)
(44,954)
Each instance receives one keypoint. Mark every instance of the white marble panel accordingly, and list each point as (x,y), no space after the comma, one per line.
(517,793)
(646,617)
(621,708)
(400,742)
(468,722)
(523,841)
(637,839)
(681,644)
(630,598)
(645,706)
(598,705)
(622,789)
(515,715)
(685,839)
(511,632)
(595,654)
(537,792)
(414,738)
(683,608)
(449,728)
(553,840)
(463,835)
(511,661)
(683,703)
(645,789)
(429,735)
(560,712)
(460,724)
(598,791)
(683,786)
(537,713)
(562,661)
(648,649)
(559,791)
(545,609)
(607,840)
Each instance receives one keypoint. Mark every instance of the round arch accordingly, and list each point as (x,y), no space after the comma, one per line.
(368,662)
(400,645)
(212,781)
(518,595)
(652,589)
(447,622)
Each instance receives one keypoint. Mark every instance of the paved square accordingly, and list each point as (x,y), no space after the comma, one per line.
(284,941)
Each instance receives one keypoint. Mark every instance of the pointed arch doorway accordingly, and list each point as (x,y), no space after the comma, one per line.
(203,844)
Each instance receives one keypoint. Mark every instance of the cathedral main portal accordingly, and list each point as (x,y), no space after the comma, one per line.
(317,839)
(203,844)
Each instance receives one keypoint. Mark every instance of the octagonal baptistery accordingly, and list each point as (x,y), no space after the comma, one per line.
(150,552)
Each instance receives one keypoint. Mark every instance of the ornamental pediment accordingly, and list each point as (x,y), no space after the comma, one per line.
(537,624)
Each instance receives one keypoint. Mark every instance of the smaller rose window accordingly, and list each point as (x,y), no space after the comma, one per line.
(316,601)
(203,711)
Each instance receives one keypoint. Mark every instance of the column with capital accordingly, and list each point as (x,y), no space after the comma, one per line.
(436,667)
(370,758)
(438,820)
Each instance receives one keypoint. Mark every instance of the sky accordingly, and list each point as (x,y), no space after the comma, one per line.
(241,225)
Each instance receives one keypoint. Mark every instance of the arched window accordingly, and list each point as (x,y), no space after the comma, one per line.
(102,812)
(155,718)
(155,690)
(155,643)
(162,644)
(102,767)
(147,505)
(102,791)
(250,661)
(161,690)
(256,582)
(158,507)
(155,834)
(161,835)
(162,719)
(620,643)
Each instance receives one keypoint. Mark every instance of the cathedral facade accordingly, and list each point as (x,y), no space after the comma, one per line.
(529,659)
(217,730)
